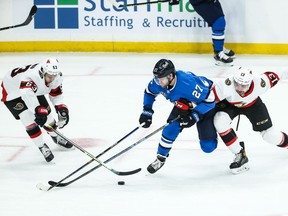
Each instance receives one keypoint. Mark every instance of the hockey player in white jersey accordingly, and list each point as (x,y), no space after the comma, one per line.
(239,94)
(23,93)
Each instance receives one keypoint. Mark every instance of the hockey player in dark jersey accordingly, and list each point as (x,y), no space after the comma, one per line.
(194,103)
(211,11)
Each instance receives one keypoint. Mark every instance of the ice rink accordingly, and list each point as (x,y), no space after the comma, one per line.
(104,92)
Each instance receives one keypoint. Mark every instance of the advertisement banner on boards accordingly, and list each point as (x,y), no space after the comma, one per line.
(99,20)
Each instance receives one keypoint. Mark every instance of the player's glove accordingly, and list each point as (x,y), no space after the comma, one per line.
(41,113)
(187,117)
(146,116)
(189,120)
(174,2)
(182,107)
(63,115)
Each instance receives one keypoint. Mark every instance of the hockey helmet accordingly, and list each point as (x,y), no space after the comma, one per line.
(243,76)
(163,68)
(51,67)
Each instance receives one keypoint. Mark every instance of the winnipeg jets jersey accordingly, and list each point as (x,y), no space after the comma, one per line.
(260,84)
(28,82)
(194,88)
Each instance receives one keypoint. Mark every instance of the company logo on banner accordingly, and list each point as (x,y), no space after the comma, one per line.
(57,14)
(87,14)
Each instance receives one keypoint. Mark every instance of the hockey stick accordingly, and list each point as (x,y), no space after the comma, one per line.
(99,155)
(143,3)
(91,156)
(26,22)
(116,4)
(64,184)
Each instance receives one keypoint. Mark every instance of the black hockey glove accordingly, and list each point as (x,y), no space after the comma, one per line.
(188,117)
(189,120)
(146,116)
(63,115)
(41,113)
(174,2)
(182,107)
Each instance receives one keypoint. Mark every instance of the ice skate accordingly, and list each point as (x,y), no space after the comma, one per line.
(223,59)
(240,163)
(229,53)
(62,142)
(45,150)
(157,164)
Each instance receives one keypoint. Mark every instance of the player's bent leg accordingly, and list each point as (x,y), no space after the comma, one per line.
(222,123)
(35,133)
(169,134)
(275,137)
(208,146)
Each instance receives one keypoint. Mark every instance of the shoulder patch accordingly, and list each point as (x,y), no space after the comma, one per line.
(263,83)
(228,82)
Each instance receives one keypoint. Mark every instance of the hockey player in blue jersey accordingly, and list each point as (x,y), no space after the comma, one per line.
(194,103)
(211,11)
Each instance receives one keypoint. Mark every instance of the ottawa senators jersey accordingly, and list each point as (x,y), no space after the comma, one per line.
(260,84)
(28,82)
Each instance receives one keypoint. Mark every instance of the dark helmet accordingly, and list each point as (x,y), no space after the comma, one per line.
(163,68)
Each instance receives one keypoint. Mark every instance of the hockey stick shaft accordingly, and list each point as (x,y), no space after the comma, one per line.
(91,156)
(144,3)
(99,155)
(26,22)
(116,4)
(56,184)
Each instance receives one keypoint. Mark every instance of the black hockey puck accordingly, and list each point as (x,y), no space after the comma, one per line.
(121,182)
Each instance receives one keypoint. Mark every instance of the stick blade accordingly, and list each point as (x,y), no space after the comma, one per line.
(33,10)
(56,184)
(120,173)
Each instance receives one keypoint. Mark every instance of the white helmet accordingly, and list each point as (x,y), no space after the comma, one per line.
(51,66)
(243,76)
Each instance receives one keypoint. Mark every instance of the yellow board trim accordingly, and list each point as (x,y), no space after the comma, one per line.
(145,47)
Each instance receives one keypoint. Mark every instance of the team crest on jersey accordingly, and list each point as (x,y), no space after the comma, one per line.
(228,82)
(19,106)
(263,83)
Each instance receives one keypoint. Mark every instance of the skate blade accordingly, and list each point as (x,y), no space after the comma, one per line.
(241,169)
(219,63)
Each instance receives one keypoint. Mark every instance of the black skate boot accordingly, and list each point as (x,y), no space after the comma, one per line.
(45,150)
(222,59)
(62,142)
(240,163)
(229,53)
(157,164)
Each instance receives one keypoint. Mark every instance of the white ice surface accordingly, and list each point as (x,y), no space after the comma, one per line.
(104,92)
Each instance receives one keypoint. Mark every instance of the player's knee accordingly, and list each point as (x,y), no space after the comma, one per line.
(208,146)
(222,121)
(219,24)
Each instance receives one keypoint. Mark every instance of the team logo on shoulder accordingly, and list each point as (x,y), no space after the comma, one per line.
(263,83)
(205,82)
(228,82)
(18,106)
